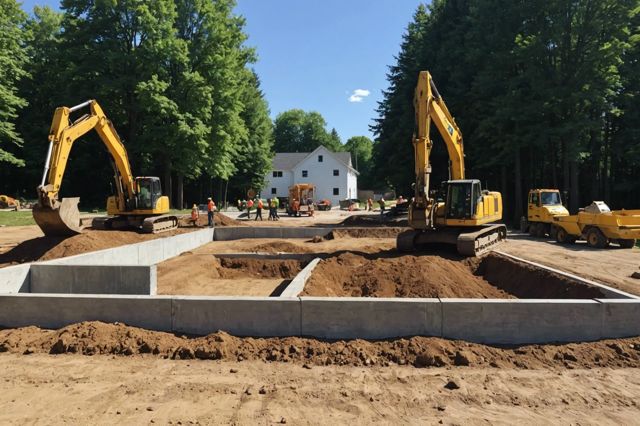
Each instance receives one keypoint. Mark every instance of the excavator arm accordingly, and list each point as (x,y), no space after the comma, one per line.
(429,106)
(61,217)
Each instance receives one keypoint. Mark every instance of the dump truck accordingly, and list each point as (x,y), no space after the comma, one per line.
(599,226)
(138,201)
(543,206)
(299,196)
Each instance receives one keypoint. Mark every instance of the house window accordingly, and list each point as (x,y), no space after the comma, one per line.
(336,172)
(277,174)
(305,173)
(336,191)
(273,191)
(320,158)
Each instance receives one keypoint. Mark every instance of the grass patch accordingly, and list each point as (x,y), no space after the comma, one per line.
(12,218)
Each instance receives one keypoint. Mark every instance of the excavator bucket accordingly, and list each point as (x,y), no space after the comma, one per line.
(61,221)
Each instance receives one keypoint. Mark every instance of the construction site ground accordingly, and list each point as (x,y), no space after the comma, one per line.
(94,372)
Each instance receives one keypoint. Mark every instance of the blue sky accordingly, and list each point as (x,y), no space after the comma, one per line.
(329,56)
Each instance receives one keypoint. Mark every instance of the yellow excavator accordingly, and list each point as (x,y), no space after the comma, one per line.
(462,212)
(138,201)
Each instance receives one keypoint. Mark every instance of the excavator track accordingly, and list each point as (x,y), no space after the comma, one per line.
(476,243)
(481,241)
(157,224)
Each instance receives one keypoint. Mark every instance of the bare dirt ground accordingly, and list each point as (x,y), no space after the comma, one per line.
(612,266)
(45,389)
(289,380)
(206,275)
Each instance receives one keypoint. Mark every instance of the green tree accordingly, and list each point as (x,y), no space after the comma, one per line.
(12,60)
(361,149)
(299,131)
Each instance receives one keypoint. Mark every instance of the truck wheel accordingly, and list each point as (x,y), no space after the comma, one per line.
(595,238)
(561,236)
(553,231)
(533,229)
(627,243)
(541,230)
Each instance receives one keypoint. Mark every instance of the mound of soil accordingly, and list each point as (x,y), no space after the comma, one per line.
(373,220)
(264,268)
(280,247)
(91,338)
(219,219)
(528,282)
(355,275)
(47,248)
(381,232)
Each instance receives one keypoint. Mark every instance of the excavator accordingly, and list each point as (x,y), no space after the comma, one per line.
(138,202)
(461,211)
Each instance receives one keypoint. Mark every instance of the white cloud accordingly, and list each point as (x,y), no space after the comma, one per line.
(358,95)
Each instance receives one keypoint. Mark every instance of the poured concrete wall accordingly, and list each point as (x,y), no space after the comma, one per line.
(242,232)
(297,284)
(15,279)
(94,279)
(482,321)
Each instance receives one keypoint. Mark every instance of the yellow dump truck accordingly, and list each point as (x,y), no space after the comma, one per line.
(599,226)
(543,206)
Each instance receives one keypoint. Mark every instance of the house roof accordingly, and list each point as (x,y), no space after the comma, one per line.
(288,160)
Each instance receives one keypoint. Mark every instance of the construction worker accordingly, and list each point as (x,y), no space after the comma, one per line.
(382,205)
(370,204)
(195,215)
(211,207)
(259,207)
(272,208)
(249,207)
(275,212)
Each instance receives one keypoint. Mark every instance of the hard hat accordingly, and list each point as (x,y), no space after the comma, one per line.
(209,198)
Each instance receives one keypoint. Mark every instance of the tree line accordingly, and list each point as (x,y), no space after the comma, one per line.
(174,76)
(545,91)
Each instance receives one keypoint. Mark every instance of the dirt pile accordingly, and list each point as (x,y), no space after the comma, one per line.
(190,266)
(373,220)
(528,282)
(47,248)
(92,338)
(219,219)
(381,232)
(351,274)
(280,247)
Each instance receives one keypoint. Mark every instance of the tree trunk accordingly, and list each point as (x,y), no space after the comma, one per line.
(518,187)
(180,191)
(574,197)
(166,185)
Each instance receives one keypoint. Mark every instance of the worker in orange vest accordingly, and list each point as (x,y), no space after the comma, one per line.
(211,207)
(195,215)
(259,207)
(249,207)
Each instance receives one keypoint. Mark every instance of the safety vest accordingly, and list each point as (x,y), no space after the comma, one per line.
(259,204)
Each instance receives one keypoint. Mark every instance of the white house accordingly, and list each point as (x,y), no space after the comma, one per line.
(331,172)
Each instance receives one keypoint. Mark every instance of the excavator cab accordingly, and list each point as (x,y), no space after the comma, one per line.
(462,198)
(148,191)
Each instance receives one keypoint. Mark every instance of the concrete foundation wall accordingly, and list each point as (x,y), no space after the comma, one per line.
(481,321)
(94,279)
(522,321)
(15,279)
(144,253)
(241,232)
(297,284)
(55,311)
(241,316)
(369,318)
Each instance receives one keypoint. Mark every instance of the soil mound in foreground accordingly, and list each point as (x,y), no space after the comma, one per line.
(355,275)
(92,338)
